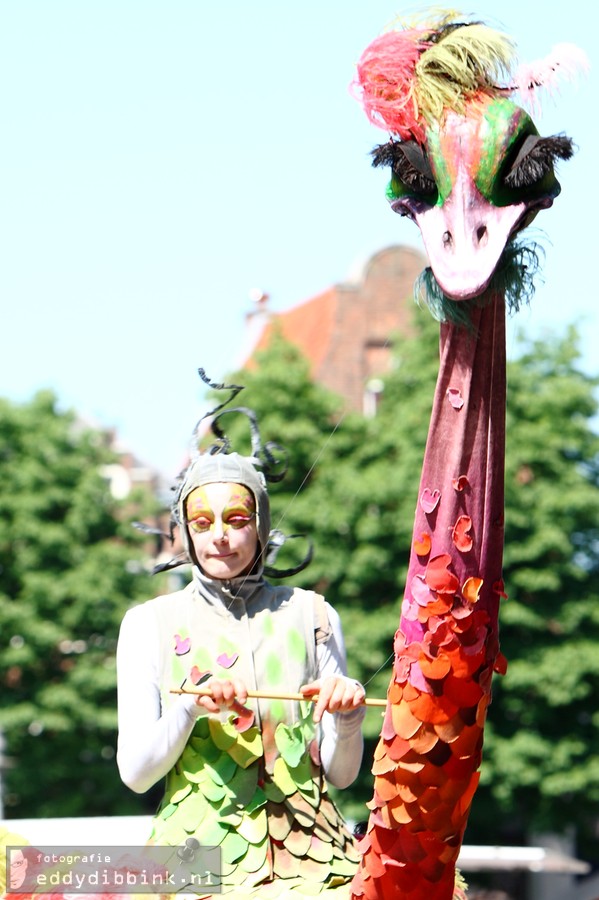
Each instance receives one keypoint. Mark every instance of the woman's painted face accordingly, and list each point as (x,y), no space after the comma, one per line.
(221,518)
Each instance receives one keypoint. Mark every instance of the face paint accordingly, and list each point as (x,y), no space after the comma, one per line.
(238,512)
(222,525)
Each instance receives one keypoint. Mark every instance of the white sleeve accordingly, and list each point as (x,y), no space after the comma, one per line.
(342,744)
(149,743)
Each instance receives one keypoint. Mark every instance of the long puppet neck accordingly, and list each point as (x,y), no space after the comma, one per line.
(426,763)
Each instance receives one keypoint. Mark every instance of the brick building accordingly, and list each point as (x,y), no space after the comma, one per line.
(345,332)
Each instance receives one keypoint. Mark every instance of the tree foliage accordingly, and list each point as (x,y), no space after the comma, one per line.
(541,769)
(70,565)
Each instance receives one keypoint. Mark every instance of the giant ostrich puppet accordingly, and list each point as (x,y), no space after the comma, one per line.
(469,167)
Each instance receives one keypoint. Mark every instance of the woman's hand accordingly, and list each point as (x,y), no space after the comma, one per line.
(224,695)
(336,694)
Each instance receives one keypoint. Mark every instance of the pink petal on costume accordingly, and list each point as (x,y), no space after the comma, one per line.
(420,591)
(244,720)
(412,631)
(198,675)
(417,679)
(409,609)
(429,500)
(182,645)
(401,667)
(388,729)
(227,661)
(454,395)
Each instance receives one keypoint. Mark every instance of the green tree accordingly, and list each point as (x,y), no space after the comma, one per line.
(70,564)
(308,422)
(541,769)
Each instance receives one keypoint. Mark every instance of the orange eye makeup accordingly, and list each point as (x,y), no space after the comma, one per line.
(236,513)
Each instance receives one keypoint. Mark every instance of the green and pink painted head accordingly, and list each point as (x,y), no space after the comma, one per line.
(467,163)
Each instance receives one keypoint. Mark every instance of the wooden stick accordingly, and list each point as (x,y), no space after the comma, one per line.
(271,695)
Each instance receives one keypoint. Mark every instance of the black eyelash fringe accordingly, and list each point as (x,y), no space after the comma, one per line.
(540,161)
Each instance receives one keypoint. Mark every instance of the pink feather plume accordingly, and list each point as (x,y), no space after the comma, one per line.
(564,62)
(385,78)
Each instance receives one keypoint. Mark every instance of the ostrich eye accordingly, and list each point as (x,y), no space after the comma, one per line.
(536,159)
(409,164)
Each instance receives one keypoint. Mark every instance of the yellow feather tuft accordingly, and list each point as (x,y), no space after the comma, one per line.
(470,59)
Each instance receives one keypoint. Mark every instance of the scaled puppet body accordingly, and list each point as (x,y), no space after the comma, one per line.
(469,167)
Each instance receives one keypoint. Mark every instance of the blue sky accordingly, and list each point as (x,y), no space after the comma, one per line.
(162,158)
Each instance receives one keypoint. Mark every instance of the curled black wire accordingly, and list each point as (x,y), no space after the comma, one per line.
(275,542)
(270,456)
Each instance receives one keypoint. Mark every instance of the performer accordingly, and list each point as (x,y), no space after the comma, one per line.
(245,775)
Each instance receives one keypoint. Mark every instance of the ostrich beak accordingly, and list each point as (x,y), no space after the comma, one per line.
(466,236)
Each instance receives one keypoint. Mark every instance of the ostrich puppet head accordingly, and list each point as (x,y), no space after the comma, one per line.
(467,164)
